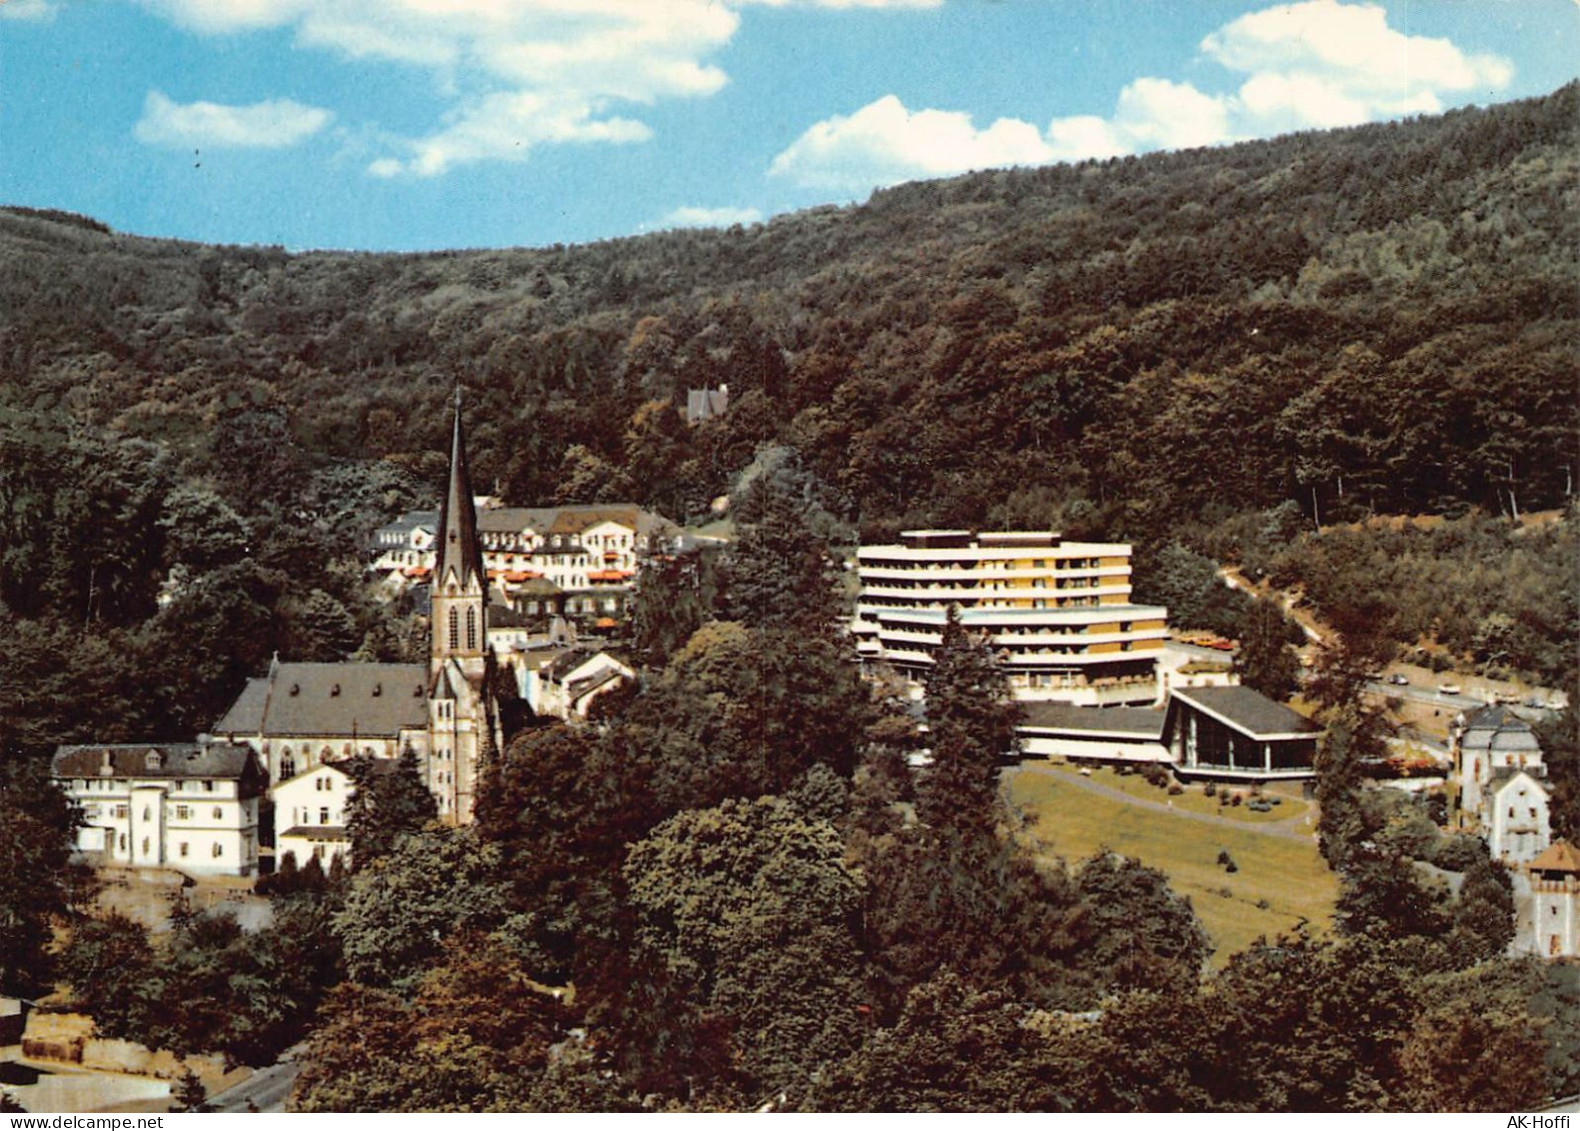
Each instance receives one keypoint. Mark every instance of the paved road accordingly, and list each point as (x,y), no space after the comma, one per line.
(268,1089)
(1293,828)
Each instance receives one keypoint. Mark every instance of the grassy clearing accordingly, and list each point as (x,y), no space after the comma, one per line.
(1280,880)
(1193,800)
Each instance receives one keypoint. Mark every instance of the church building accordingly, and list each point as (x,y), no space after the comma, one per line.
(300,716)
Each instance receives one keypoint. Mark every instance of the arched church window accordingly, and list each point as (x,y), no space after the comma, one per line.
(471,630)
(455,629)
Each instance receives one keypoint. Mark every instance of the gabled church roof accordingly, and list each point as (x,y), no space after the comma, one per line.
(459,550)
(377,700)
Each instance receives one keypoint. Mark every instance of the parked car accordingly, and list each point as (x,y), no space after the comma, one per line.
(1448,689)
(1399,680)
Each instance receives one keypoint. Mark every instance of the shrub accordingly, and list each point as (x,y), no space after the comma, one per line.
(1235,799)
(1210,788)
(1175,789)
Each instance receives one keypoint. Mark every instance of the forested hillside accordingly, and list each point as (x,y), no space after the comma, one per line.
(732,890)
(1379,319)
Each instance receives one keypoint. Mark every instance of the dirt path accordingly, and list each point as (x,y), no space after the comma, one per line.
(1294,828)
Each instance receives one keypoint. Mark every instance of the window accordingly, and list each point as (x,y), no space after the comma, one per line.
(183,812)
(323,815)
(120,815)
(471,629)
(183,849)
(455,629)
(123,842)
(219,814)
(208,787)
(148,816)
(219,850)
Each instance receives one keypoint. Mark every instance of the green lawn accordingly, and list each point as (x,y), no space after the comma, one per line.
(1194,800)
(1279,882)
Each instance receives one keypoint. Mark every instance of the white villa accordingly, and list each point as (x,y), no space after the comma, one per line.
(1501,780)
(189,806)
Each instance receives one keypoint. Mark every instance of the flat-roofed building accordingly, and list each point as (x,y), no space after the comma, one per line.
(1113,735)
(1057,612)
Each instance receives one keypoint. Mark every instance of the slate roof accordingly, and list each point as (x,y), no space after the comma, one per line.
(341,699)
(572,519)
(1559,856)
(503,616)
(1246,710)
(1505,774)
(171,760)
(411,520)
(1497,728)
(459,552)
(1142,724)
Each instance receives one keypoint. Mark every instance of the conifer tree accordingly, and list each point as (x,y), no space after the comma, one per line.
(389,801)
(972,722)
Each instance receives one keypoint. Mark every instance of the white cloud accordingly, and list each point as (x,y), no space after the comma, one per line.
(710,217)
(33,11)
(508,74)
(884,143)
(1315,64)
(1324,63)
(505,127)
(273,124)
(512,74)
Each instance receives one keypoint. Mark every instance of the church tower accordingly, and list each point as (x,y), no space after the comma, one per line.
(460,587)
(461,717)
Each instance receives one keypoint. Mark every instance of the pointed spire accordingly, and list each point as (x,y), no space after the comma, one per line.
(459,548)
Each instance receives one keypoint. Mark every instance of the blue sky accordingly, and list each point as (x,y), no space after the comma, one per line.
(421,124)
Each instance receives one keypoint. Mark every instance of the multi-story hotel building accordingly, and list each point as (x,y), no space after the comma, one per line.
(1057,612)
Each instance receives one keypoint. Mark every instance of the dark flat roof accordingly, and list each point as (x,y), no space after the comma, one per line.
(1139,723)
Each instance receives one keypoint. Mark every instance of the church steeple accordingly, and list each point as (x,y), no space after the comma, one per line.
(460,556)
(461,718)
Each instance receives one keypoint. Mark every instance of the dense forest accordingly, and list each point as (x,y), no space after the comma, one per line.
(732,891)
(1315,329)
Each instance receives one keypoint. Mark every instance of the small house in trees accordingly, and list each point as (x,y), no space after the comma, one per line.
(190,806)
(1514,817)
(563,683)
(1555,902)
(1488,741)
(310,817)
(706,404)
(1237,733)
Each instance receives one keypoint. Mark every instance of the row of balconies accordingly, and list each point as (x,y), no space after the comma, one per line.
(988,569)
(983,596)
